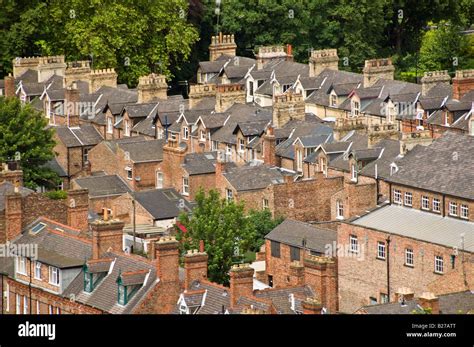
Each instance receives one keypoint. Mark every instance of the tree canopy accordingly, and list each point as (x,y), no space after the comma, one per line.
(24,136)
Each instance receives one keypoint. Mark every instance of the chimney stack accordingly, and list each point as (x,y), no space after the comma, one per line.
(78,209)
(269,147)
(241,282)
(106,236)
(152,87)
(432,78)
(71,106)
(321,275)
(195,267)
(222,45)
(296,274)
(323,59)
(429,301)
(13,215)
(311,306)
(376,69)
(463,83)
(167,259)
(9,86)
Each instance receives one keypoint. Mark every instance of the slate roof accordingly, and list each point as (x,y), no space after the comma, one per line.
(280,297)
(162,203)
(434,167)
(141,110)
(200,163)
(139,150)
(84,135)
(291,232)
(420,225)
(217,297)
(54,165)
(453,303)
(252,177)
(104,185)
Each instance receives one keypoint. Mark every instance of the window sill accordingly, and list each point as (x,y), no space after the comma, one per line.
(340,218)
(185,194)
(438,273)
(54,284)
(379,258)
(409,266)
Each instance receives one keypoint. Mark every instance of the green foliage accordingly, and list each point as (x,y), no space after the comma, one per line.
(23,133)
(224,229)
(56,194)
(443,47)
(136,37)
(262,223)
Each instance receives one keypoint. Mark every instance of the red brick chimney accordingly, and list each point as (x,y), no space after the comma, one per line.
(321,275)
(9,86)
(289,52)
(173,158)
(106,235)
(71,105)
(13,215)
(429,302)
(195,267)
(463,82)
(167,259)
(296,274)
(404,294)
(311,306)
(241,282)
(269,144)
(15,177)
(78,209)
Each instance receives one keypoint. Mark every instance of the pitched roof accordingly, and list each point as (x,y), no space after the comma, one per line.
(291,232)
(142,151)
(162,203)
(200,163)
(84,135)
(280,297)
(104,185)
(251,177)
(440,167)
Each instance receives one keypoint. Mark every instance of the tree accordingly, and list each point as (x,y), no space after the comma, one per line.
(24,136)
(445,48)
(223,227)
(135,37)
(262,223)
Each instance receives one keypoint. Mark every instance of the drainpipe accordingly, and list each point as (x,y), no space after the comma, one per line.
(388,267)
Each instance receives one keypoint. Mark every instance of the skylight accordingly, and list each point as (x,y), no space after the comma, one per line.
(37,228)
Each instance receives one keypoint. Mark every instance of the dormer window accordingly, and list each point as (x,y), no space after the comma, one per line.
(355,108)
(92,280)
(110,127)
(185,133)
(333,99)
(125,293)
(202,136)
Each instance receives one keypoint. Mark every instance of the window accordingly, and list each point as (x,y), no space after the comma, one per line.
(409,259)
(453,209)
(214,145)
(381,250)
(355,108)
(85,155)
(241,145)
(436,205)
(353,173)
(324,166)
(265,204)
(25,305)
(275,249)
(37,270)
(294,254)
(229,195)
(50,309)
(228,151)
(439,266)
(354,244)
(129,173)
(21,265)
(160,133)
(251,88)
(425,203)
(383,298)
(185,133)
(18,304)
(202,135)
(464,211)
(339,209)
(159,180)
(397,196)
(38,311)
(299,160)
(125,293)
(373,301)
(185,185)
(333,100)
(91,280)
(7,297)
(127,128)
(110,126)
(54,275)
(408,199)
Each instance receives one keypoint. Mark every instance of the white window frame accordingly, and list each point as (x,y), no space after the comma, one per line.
(202,135)
(453,209)
(299,160)
(425,202)
(354,244)
(37,267)
(7,297)
(339,209)
(185,185)
(241,145)
(18,304)
(229,195)
(355,108)
(436,205)
(50,309)
(127,127)
(185,133)
(25,304)
(381,250)
(53,275)
(408,199)
(439,264)
(214,145)
(159,179)
(265,204)
(37,306)
(397,196)
(464,211)
(110,125)
(353,173)
(324,166)
(21,265)
(129,172)
(409,257)
(333,99)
